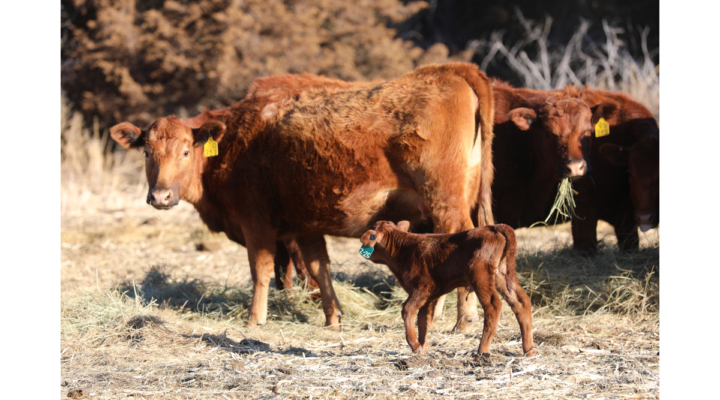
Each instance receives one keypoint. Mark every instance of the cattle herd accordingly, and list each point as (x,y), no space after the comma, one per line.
(442,149)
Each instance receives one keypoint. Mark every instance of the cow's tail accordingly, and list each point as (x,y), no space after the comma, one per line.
(485,119)
(509,255)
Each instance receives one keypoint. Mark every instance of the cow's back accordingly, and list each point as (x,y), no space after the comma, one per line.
(348,156)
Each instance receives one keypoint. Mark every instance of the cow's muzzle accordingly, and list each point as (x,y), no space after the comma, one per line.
(576,168)
(161,198)
(646,221)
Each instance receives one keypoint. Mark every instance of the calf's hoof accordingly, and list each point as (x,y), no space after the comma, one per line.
(465,323)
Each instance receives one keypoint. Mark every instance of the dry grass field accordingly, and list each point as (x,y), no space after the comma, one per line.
(153,307)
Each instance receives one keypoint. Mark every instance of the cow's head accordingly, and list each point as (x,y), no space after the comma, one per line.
(173,156)
(563,130)
(643,164)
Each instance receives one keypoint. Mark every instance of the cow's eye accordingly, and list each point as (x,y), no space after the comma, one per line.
(186,153)
(146,154)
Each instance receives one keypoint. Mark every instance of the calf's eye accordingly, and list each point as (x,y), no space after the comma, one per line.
(146,153)
(186,153)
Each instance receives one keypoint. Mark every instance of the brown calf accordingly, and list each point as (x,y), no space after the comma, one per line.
(330,163)
(431,265)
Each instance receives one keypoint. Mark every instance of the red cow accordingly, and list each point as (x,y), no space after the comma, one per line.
(624,186)
(430,266)
(328,162)
(540,137)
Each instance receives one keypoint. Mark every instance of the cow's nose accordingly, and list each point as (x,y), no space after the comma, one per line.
(645,218)
(645,221)
(161,197)
(576,168)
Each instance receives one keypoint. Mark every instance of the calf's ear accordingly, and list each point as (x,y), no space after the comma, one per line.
(615,154)
(403,225)
(128,135)
(216,129)
(523,117)
(606,109)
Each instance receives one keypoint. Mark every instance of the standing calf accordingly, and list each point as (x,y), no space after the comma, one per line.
(429,266)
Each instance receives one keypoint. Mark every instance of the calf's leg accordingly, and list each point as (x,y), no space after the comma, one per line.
(410,308)
(484,285)
(520,304)
(424,321)
(316,259)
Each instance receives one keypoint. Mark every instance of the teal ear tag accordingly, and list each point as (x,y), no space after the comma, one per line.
(366,251)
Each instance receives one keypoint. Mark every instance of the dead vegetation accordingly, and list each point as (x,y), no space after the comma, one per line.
(544,65)
(145,314)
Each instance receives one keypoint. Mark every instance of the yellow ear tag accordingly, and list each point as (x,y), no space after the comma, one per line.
(211,147)
(602,128)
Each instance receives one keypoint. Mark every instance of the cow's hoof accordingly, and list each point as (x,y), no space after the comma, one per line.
(466,323)
(531,353)
(252,324)
(333,321)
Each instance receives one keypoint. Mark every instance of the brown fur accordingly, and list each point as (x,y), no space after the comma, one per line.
(537,134)
(623,188)
(330,161)
(431,265)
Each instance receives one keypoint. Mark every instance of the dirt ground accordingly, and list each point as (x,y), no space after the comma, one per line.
(148,313)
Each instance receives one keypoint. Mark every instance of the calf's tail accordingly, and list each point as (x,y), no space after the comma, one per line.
(508,255)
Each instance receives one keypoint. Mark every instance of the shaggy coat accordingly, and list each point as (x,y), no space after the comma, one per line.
(431,265)
(327,162)
(624,187)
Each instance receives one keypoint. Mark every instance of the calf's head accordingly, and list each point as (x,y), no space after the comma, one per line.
(173,156)
(379,234)
(563,129)
(643,163)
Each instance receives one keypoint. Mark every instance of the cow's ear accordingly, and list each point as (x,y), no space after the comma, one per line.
(523,117)
(606,109)
(403,226)
(615,154)
(214,128)
(128,135)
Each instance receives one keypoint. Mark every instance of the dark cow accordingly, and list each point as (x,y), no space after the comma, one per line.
(328,162)
(430,266)
(624,187)
(540,137)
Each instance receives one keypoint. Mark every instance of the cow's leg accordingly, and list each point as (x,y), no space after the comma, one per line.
(626,232)
(409,311)
(424,321)
(484,285)
(283,267)
(520,304)
(261,255)
(316,259)
(584,227)
(300,269)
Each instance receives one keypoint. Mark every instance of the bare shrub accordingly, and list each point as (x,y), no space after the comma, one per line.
(545,66)
(124,60)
